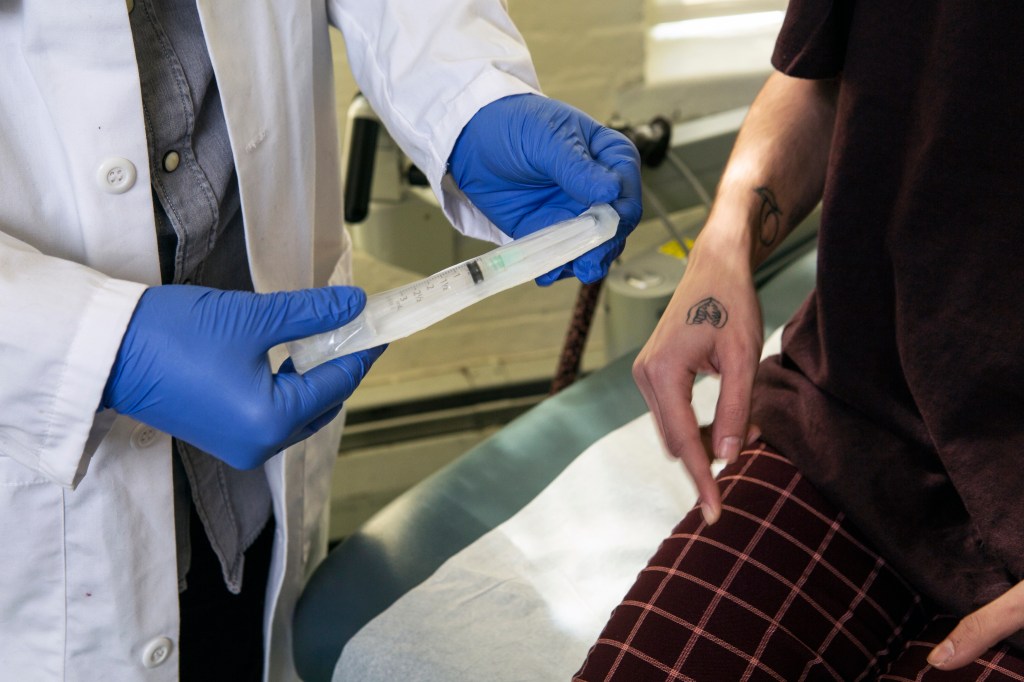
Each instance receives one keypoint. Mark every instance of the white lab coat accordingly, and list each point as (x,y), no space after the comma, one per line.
(88,583)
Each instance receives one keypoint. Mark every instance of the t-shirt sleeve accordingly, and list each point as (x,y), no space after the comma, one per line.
(812,42)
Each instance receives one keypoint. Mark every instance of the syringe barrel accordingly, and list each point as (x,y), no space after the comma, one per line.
(397,313)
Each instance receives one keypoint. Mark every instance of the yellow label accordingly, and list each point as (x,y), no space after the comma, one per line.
(673,249)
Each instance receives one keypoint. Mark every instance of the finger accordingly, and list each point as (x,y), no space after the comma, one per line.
(673,413)
(333,382)
(324,419)
(551,215)
(732,412)
(574,170)
(753,434)
(629,206)
(549,278)
(289,315)
(980,631)
(314,426)
(594,264)
(554,208)
(317,396)
(614,151)
(325,386)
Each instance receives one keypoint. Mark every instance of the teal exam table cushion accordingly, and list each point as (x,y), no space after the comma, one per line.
(406,542)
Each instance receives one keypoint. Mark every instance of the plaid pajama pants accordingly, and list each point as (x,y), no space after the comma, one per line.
(782,588)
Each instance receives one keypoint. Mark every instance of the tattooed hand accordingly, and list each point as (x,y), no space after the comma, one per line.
(708,311)
(712,325)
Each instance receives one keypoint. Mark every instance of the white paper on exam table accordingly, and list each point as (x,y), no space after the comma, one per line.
(528,599)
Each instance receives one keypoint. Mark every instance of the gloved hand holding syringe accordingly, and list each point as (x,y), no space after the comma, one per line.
(397,313)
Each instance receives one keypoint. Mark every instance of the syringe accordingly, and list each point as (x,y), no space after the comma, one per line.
(397,313)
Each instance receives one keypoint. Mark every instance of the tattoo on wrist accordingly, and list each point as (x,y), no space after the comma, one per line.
(771,216)
(709,311)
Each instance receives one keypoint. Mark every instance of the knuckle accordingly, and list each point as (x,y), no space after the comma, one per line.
(679,445)
(701,476)
(253,416)
(674,444)
(651,368)
(972,626)
(745,352)
(731,413)
(262,430)
(640,366)
(1015,612)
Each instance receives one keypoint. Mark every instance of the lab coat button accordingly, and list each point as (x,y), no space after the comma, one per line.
(143,436)
(156,652)
(116,175)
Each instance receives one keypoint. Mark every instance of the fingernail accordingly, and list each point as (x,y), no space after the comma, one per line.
(941,654)
(753,433)
(729,449)
(709,514)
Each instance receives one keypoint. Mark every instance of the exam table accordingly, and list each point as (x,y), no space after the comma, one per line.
(506,564)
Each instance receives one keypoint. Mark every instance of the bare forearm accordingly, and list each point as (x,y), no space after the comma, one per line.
(713,323)
(776,173)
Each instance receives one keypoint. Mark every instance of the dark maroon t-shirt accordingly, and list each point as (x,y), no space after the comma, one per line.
(900,389)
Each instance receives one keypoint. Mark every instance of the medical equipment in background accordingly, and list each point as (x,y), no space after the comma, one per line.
(397,313)
(393,216)
(651,140)
(639,289)
(390,210)
(637,294)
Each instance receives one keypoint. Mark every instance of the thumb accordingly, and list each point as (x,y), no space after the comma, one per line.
(594,265)
(732,413)
(332,382)
(318,395)
(289,315)
(980,631)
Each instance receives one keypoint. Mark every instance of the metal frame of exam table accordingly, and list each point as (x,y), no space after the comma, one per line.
(403,544)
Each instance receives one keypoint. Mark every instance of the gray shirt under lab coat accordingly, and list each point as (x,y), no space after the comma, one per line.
(201,241)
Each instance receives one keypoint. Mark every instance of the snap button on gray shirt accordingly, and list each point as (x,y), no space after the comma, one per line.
(201,241)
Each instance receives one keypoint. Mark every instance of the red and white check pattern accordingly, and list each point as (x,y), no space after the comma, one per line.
(782,588)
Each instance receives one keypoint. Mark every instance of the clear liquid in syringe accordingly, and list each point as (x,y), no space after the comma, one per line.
(419,301)
(406,301)
(453,279)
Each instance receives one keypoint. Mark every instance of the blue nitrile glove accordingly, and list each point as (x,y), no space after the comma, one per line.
(527,161)
(193,363)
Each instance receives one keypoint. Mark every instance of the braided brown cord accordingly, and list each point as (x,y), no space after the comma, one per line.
(576,337)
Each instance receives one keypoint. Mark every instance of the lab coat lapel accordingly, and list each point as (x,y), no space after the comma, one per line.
(270,135)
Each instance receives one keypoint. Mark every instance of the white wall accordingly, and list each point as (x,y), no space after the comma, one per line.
(585,51)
